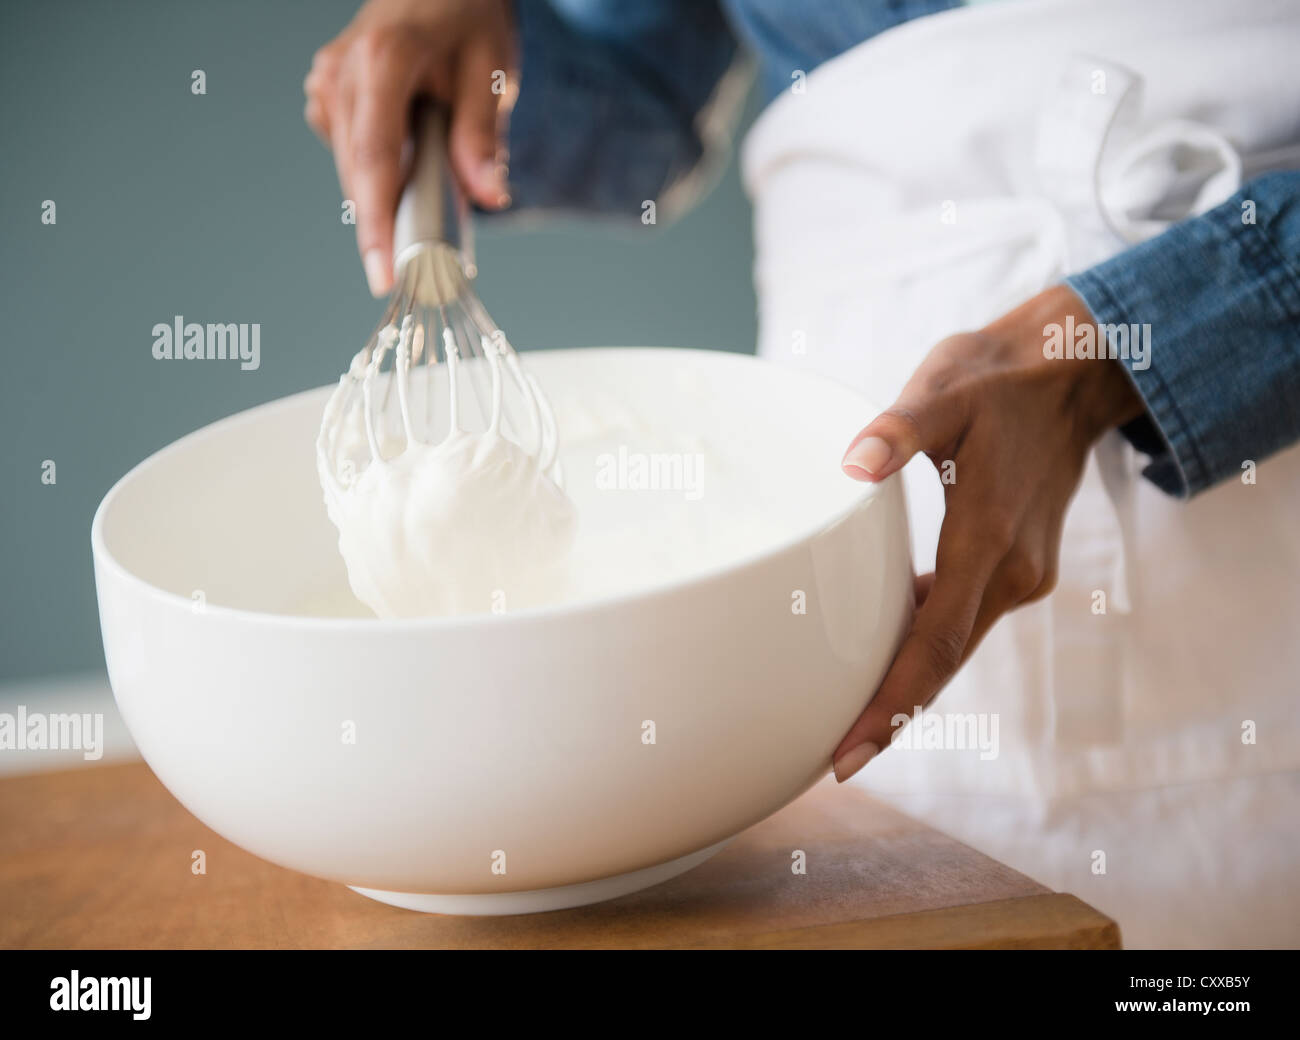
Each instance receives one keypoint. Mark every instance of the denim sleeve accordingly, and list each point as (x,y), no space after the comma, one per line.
(610,101)
(1221,296)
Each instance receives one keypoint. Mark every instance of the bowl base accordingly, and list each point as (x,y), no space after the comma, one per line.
(541,899)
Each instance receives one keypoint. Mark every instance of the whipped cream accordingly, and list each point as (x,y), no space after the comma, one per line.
(668,479)
(467,525)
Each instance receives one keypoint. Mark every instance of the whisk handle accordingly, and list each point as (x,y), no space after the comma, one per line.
(432,208)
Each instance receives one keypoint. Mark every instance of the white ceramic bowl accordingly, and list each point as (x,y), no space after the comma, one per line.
(487,741)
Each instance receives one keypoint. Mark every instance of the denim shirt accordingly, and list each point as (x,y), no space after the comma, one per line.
(610,114)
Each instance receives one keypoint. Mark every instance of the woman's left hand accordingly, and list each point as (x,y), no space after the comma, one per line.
(1016,428)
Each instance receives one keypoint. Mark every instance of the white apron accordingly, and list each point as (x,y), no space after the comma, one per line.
(926,182)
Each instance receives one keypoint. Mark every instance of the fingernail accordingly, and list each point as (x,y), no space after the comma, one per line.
(869,456)
(376,265)
(851,761)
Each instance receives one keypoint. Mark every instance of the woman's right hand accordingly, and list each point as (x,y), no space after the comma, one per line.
(359,93)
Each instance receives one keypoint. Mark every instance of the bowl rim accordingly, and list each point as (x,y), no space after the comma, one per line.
(524,615)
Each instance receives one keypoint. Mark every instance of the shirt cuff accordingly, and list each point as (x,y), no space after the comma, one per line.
(1216,300)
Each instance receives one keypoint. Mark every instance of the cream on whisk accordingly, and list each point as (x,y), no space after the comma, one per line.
(464,526)
(470,524)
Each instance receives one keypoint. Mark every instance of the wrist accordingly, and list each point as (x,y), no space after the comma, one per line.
(1101,390)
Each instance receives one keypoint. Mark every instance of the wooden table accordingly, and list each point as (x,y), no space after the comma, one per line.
(100,858)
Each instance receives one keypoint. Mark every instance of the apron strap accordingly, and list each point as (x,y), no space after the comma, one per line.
(1104,171)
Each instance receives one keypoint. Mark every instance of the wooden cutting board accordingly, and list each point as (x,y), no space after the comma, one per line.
(101,858)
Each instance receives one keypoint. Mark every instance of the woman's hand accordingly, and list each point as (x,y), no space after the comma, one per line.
(359,92)
(1017,427)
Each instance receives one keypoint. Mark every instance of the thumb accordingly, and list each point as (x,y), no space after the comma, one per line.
(915,423)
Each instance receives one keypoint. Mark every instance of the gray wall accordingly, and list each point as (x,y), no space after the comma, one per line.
(225,208)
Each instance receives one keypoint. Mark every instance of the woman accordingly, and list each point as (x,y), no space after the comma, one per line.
(1107,193)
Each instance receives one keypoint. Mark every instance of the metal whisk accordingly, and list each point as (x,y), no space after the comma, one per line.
(473,381)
